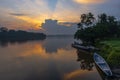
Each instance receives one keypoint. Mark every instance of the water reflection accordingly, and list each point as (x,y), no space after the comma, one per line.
(87,63)
(53,43)
(5,43)
(85,59)
(51,59)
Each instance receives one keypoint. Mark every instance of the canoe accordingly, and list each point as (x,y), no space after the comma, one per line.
(102,64)
(86,48)
(81,47)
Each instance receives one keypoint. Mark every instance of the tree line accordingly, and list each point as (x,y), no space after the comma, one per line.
(91,29)
(19,35)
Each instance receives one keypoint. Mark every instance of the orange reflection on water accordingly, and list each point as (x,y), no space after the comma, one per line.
(81,75)
(63,55)
(32,50)
(37,50)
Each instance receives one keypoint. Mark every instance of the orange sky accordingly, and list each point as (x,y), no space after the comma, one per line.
(30,14)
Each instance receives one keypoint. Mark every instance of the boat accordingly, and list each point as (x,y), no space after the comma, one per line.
(82,47)
(85,48)
(102,64)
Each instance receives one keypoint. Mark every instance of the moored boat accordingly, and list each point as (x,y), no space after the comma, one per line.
(82,47)
(102,64)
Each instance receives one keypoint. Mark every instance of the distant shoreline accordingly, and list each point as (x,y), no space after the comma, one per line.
(60,35)
(20,35)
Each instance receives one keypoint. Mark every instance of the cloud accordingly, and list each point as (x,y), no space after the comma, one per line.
(34,12)
(32,21)
(51,27)
(18,14)
(64,10)
(69,24)
(89,1)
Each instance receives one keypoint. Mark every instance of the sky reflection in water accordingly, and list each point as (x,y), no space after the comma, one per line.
(51,59)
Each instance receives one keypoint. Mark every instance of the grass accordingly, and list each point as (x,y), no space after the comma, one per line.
(113,43)
(110,50)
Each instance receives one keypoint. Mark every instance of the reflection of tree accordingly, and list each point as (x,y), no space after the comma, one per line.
(85,59)
(84,65)
(3,43)
(20,36)
(87,63)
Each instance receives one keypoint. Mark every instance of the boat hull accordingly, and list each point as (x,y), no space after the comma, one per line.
(102,64)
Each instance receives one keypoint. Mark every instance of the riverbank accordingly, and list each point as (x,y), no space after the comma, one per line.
(20,35)
(110,50)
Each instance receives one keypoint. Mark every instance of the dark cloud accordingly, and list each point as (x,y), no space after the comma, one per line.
(18,14)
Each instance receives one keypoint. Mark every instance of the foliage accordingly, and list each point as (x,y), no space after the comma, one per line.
(114,58)
(105,27)
(6,35)
(86,20)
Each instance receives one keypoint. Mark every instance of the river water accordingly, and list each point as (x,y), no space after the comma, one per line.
(50,59)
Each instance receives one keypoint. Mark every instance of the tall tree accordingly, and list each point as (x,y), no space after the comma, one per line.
(102,18)
(111,19)
(105,27)
(86,20)
(90,19)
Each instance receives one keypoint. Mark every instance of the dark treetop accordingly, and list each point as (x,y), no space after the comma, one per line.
(20,35)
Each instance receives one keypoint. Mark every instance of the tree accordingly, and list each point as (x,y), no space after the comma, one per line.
(105,27)
(3,29)
(86,20)
(102,18)
(90,19)
(111,19)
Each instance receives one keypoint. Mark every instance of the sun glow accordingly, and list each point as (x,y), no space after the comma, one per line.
(34,22)
(89,1)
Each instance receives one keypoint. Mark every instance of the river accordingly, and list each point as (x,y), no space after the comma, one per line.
(49,59)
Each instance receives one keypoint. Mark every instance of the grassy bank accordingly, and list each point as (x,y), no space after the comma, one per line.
(110,50)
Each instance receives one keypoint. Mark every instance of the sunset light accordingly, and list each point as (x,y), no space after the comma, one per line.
(89,1)
(59,39)
(35,12)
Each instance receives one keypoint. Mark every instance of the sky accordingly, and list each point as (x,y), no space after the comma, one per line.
(30,14)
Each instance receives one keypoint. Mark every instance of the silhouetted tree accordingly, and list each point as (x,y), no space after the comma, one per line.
(86,20)
(111,19)
(105,27)
(3,29)
(20,35)
(102,18)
